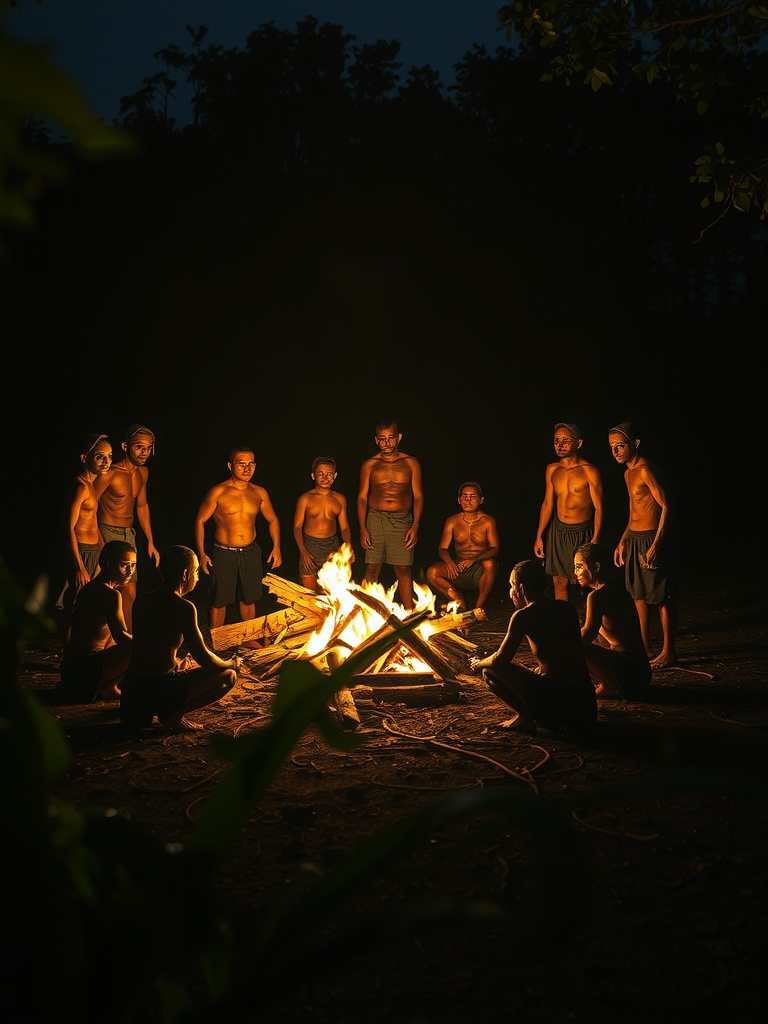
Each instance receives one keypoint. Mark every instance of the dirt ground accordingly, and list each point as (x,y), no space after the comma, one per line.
(674,921)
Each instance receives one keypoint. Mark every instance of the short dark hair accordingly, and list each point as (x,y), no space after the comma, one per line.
(240,448)
(532,576)
(594,554)
(113,551)
(319,459)
(382,424)
(173,561)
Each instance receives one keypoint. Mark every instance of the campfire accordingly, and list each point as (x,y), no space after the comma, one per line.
(343,617)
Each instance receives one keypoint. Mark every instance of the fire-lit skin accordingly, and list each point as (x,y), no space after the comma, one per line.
(98,622)
(610,622)
(391,481)
(122,494)
(573,489)
(234,504)
(165,620)
(475,537)
(320,512)
(648,510)
(83,519)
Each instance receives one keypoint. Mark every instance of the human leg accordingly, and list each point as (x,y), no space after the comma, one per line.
(602,671)
(667,657)
(508,685)
(490,568)
(560,585)
(404,585)
(644,615)
(128,594)
(204,687)
(114,665)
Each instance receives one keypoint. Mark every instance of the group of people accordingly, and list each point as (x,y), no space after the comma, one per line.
(116,644)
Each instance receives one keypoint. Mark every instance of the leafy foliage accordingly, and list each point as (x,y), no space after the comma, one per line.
(702,49)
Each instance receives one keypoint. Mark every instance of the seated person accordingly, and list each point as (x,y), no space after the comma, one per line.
(158,682)
(475,539)
(557,695)
(99,647)
(619,666)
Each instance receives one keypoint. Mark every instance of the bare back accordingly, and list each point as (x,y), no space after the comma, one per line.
(162,621)
(97,612)
(553,633)
(611,611)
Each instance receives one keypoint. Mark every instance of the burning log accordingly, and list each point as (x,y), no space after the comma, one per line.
(416,644)
(266,628)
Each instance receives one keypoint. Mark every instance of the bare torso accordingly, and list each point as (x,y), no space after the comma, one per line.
(85,507)
(611,611)
(472,537)
(644,510)
(235,513)
(390,482)
(571,485)
(97,603)
(552,630)
(321,511)
(161,621)
(117,491)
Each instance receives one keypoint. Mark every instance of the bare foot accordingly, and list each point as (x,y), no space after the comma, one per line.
(182,724)
(606,692)
(517,725)
(664,660)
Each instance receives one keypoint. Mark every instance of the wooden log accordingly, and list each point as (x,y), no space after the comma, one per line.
(343,700)
(264,627)
(458,620)
(429,695)
(295,596)
(415,643)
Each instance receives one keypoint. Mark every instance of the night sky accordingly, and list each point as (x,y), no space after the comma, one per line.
(212,337)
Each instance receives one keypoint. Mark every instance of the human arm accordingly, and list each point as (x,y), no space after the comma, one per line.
(545,513)
(362,503)
(196,644)
(653,480)
(345,531)
(116,619)
(305,558)
(275,558)
(593,619)
(412,534)
(444,549)
(75,509)
(142,514)
(204,513)
(508,647)
(595,482)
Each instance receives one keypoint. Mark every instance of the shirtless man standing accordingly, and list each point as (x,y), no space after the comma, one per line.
(122,494)
(320,523)
(642,549)
(85,541)
(236,569)
(572,508)
(390,503)
(475,538)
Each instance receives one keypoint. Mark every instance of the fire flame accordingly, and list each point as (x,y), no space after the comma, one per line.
(349,623)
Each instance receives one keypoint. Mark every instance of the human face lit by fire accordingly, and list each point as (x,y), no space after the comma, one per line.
(469,500)
(99,459)
(387,440)
(126,567)
(139,448)
(581,572)
(622,449)
(324,475)
(565,444)
(242,467)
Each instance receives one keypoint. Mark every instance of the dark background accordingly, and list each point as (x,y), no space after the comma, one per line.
(304,259)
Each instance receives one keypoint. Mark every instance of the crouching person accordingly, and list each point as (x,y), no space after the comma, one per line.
(158,682)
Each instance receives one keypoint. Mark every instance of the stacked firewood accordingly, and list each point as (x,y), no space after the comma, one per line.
(266,642)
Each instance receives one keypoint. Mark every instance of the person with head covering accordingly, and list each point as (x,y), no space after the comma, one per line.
(468,550)
(83,529)
(320,522)
(572,510)
(122,494)
(644,549)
